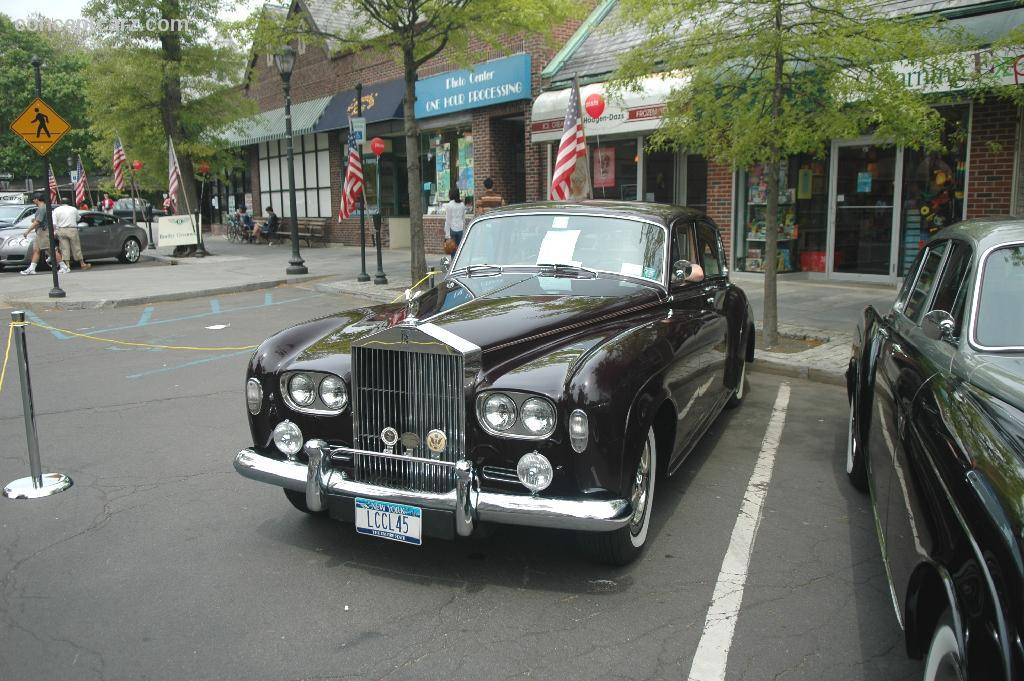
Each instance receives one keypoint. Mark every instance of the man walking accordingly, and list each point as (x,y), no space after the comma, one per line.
(42,237)
(65,222)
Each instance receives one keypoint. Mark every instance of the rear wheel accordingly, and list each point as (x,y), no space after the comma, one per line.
(298,500)
(622,546)
(944,656)
(741,388)
(856,469)
(130,250)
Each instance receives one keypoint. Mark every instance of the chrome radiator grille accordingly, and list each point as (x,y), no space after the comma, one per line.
(413,392)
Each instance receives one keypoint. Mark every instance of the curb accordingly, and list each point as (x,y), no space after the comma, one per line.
(374,292)
(769,366)
(65,304)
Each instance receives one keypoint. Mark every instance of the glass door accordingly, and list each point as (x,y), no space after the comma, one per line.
(863,217)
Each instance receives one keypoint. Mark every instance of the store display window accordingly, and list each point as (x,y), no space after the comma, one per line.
(803,216)
(394,178)
(613,169)
(446,162)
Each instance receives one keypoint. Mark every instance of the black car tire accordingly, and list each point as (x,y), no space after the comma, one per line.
(856,468)
(131,251)
(944,659)
(298,500)
(736,399)
(622,546)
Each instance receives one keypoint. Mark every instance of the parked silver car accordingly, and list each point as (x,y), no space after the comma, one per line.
(102,235)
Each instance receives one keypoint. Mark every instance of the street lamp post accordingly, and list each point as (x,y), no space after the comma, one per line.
(285,63)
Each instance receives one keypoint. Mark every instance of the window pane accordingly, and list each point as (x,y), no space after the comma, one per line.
(697,182)
(321,140)
(309,163)
(323,166)
(952,290)
(613,170)
(925,281)
(1000,323)
(282,206)
(659,176)
(300,204)
(275,176)
(264,201)
(709,253)
(325,203)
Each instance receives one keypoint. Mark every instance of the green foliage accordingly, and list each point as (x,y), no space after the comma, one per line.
(63,79)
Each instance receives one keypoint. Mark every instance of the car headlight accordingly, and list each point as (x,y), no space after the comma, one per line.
(301,390)
(288,438)
(499,412)
(538,416)
(534,471)
(254,396)
(579,430)
(333,393)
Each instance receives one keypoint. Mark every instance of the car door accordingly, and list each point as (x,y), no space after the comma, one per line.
(94,232)
(686,320)
(710,256)
(928,453)
(899,375)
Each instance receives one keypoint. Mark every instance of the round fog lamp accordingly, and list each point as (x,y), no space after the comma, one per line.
(288,438)
(334,393)
(301,390)
(499,412)
(579,430)
(534,471)
(538,416)
(254,395)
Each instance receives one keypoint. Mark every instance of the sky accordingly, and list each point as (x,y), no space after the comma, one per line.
(72,9)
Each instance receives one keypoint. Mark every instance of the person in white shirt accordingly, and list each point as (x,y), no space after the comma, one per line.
(65,224)
(42,237)
(454,216)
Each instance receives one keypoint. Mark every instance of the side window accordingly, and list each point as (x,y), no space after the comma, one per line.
(951,293)
(681,248)
(925,281)
(709,251)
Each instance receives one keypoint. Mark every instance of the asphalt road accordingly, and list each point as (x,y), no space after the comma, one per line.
(163,563)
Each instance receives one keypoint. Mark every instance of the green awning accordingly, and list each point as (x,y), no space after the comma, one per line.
(269,125)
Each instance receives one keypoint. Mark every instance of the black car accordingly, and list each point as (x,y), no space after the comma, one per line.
(573,355)
(936,387)
(123,209)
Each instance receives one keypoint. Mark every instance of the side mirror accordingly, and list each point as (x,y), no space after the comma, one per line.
(938,325)
(681,269)
(446,263)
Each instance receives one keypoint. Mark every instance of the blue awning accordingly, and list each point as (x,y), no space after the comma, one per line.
(381,102)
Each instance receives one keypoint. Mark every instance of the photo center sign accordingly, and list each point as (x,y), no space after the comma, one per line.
(487,83)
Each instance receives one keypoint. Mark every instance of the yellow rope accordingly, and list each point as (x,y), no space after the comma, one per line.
(138,345)
(7,355)
(413,287)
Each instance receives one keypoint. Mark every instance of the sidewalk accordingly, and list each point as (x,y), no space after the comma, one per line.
(810,309)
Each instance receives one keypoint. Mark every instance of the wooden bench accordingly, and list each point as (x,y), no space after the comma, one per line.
(309,235)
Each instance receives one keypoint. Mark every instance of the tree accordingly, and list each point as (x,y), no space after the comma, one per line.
(63,75)
(414,32)
(768,79)
(163,73)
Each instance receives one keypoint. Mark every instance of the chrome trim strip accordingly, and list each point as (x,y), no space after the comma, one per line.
(976,302)
(288,474)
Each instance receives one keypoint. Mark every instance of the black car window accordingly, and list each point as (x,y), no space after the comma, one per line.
(951,292)
(999,323)
(908,282)
(681,248)
(709,249)
(925,281)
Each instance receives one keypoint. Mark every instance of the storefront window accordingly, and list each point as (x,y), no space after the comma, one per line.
(933,185)
(446,162)
(697,182)
(613,169)
(803,216)
(659,176)
(312,176)
(394,179)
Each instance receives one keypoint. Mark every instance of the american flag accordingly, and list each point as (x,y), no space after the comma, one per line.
(571,177)
(80,184)
(118,161)
(54,194)
(173,175)
(353,179)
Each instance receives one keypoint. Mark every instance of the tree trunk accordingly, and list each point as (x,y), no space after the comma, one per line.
(170,103)
(418,260)
(770,328)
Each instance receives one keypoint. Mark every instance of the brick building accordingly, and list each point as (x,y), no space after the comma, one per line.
(859,213)
(474,123)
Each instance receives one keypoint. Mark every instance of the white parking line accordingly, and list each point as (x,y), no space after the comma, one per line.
(713,650)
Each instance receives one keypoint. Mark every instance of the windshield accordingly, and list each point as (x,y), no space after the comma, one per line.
(10,213)
(126,204)
(605,244)
(999,323)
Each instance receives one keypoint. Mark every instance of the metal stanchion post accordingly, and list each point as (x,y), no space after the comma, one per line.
(39,484)
(380,277)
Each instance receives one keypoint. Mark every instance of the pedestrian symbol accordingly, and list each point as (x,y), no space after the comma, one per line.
(40,126)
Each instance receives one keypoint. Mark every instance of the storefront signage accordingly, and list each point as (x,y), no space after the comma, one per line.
(604,167)
(987,67)
(492,82)
(175,230)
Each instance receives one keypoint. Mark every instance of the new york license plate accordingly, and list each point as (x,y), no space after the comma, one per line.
(397,522)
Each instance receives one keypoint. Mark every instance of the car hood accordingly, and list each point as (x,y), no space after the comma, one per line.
(497,312)
(1001,376)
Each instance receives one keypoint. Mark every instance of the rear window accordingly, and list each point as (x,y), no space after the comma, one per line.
(999,323)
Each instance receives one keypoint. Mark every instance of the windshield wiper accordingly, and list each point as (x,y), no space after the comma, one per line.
(562,268)
(482,268)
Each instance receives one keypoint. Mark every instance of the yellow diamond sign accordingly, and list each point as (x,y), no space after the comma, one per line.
(40,126)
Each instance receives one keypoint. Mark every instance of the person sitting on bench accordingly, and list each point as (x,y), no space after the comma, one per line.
(266,228)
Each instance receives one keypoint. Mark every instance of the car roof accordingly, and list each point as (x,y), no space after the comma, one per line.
(984,233)
(661,213)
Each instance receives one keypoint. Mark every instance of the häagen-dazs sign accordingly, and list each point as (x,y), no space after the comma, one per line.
(492,82)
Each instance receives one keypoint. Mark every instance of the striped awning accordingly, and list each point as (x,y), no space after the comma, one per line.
(269,125)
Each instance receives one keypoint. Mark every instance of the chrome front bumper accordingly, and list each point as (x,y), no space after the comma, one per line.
(466,501)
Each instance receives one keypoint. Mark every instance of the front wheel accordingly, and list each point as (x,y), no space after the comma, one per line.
(856,469)
(622,546)
(741,388)
(944,655)
(130,250)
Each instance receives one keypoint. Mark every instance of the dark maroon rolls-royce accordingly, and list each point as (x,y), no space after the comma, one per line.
(571,355)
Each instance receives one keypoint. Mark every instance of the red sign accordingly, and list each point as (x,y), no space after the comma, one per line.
(377,146)
(604,167)
(594,105)
(646,112)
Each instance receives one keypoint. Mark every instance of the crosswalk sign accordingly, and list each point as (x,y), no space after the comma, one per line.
(40,126)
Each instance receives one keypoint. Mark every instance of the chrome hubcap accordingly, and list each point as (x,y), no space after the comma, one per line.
(131,251)
(641,489)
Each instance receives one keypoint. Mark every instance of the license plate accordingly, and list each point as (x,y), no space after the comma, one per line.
(387,520)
